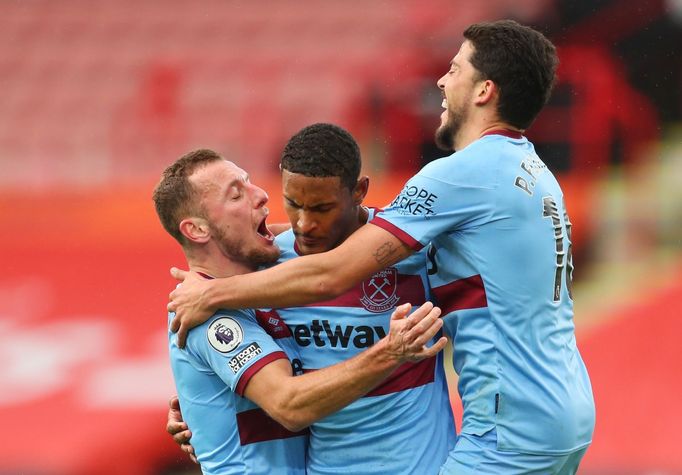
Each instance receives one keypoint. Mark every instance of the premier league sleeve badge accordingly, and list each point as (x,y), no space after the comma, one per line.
(225,334)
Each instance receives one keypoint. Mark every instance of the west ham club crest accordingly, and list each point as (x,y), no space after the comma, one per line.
(380,291)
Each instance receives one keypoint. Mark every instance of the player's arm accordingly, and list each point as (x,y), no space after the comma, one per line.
(298,281)
(298,401)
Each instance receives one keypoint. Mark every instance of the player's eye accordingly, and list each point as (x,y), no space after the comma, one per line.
(322,209)
(235,194)
(291,204)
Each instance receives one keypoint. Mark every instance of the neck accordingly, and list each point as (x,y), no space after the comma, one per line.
(216,264)
(478,129)
(361,217)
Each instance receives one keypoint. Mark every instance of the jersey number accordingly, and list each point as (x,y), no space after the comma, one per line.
(431,256)
(564,260)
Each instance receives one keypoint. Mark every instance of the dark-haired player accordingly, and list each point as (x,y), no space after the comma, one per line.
(405,425)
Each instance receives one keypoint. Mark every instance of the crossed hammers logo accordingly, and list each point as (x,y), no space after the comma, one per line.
(379,288)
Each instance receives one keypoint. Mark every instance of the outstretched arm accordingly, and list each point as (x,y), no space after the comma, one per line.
(299,281)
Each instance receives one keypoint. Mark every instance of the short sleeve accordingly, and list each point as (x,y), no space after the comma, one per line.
(434,201)
(234,346)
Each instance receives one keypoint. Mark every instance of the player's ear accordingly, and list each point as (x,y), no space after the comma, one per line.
(486,91)
(195,229)
(360,190)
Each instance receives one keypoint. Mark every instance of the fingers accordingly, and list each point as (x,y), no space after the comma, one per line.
(426,328)
(182,335)
(179,327)
(401,311)
(174,405)
(178,274)
(182,438)
(176,326)
(434,349)
(421,313)
(171,306)
(175,323)
(178,429)
(419,329)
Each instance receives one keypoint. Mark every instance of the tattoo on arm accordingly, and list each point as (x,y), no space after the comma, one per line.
(385,254)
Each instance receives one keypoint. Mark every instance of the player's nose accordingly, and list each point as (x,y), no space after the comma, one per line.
(259,196)
(305,223)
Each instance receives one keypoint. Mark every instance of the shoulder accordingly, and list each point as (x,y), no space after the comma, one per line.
(478,165)
(224,331)
(285,241)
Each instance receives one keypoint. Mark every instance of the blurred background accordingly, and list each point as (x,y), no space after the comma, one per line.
(99,97)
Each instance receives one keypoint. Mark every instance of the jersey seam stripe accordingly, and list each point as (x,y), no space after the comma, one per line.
(257,366)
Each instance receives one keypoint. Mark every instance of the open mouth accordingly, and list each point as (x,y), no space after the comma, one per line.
(263,230)
(444,103)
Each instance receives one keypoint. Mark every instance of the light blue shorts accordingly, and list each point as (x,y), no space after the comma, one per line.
(479,455)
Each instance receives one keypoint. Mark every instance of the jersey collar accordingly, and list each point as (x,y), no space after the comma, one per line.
(512,134)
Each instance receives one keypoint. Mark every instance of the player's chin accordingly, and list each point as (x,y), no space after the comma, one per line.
(265,254)
(444,138)
(316,248)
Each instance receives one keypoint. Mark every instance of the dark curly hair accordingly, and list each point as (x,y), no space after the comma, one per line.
(521,61)
(174,195)
(323,150)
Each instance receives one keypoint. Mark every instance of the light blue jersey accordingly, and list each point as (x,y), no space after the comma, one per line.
(492,217)
(405,425)
(231,434)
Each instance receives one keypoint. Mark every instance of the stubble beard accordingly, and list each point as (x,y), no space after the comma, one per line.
(236,251)
(446,134)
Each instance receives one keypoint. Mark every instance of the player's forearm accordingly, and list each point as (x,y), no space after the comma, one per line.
(298,281)
(311,278)
(302,400)
(317,394)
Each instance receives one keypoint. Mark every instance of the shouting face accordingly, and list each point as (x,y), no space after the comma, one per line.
(457,88)
(235,212)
